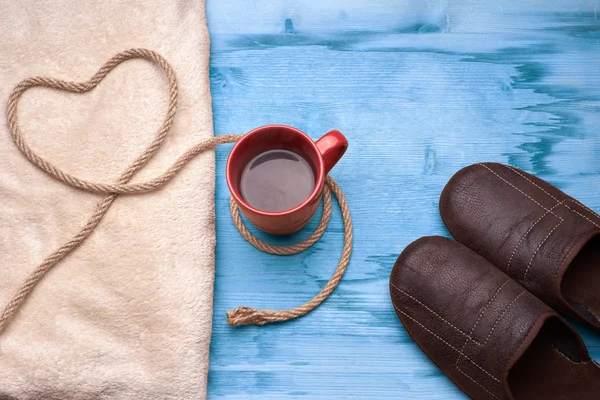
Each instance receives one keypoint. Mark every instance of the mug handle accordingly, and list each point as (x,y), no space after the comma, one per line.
(332,147)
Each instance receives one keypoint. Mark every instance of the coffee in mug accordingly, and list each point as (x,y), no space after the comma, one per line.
(277,180)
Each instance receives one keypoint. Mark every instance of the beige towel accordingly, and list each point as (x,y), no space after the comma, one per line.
(127,315)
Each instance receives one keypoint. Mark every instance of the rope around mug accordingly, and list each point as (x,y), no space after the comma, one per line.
(238,316)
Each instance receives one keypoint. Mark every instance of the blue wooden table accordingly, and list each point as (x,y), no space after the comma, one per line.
(421,89)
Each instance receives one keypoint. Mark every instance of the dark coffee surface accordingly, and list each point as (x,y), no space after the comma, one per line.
(277,180)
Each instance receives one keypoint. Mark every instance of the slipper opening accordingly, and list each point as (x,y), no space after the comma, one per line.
(554,366)
(581,282)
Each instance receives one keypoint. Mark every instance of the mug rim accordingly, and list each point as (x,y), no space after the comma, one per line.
(318,184)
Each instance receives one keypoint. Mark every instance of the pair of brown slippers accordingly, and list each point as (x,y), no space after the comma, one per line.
(482,307)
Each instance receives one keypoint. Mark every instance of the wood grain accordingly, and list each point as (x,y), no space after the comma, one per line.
(421,89)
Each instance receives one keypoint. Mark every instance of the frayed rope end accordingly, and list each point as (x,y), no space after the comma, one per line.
(246,316)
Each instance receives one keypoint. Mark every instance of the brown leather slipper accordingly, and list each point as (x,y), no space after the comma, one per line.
(535,233)
(493,338)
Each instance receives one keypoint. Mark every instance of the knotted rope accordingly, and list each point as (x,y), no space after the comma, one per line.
(239,316)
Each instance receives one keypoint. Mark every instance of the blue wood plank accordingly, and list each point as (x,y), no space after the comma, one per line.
(421,89)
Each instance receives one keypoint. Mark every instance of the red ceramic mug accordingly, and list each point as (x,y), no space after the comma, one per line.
(322,155)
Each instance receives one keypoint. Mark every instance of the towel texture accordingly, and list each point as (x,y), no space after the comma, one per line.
(128,314)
